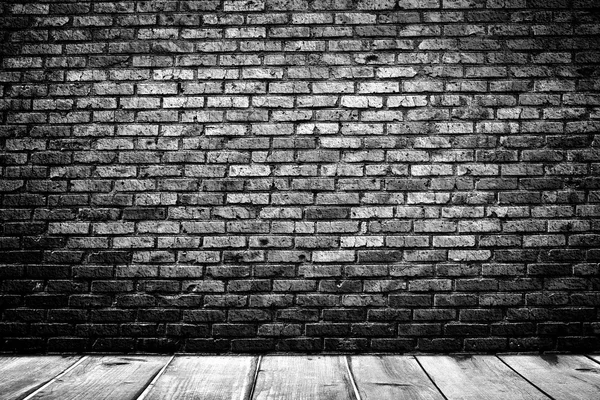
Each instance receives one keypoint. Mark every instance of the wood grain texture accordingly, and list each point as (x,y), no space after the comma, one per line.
(477,378)
(563,377)
(595,358)
(206,377)
(105,378)
(392,378)
(303,378)
(20,376)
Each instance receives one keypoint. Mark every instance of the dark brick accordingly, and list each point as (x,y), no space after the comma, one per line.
(207,345)
(299,176)
(440,345)
(301,345)
(252,345)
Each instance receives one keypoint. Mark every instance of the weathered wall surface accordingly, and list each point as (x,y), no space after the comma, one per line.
(294,175)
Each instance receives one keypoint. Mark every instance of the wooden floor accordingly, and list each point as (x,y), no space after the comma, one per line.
(367,377)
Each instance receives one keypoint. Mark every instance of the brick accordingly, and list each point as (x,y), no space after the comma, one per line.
(262,170)
(333,256)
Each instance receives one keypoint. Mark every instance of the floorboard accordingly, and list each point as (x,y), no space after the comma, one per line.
(330,377)
(105,378)
(20,376)
(392,378)
(477,378)
(595,358)
(303,378)
(564,377)
(206,377)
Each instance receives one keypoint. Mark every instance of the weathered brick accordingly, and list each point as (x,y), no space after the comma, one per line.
(429,162)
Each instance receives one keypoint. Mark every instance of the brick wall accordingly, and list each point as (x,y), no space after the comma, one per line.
(294,175)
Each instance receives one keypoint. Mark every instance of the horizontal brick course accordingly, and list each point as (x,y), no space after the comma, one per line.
(299,176)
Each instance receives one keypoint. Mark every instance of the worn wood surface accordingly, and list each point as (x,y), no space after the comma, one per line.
(595,358)
(515,377)
(206,377)
(303,378)
(105,378)
(563,377)
(392,378)
(477,378)
(19,376)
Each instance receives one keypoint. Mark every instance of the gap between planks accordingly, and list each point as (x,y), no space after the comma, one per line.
(592,358)
(255,373)
(152,383)
(430,378)
(352,380)
(155,379)
(51,381)
(255,377)
(525,379)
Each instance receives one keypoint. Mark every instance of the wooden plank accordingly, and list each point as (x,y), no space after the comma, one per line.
(104,378)
(303,378)
(595,358)
(21,376)
(205,377)
(477,378)
(563,377)
(392,378)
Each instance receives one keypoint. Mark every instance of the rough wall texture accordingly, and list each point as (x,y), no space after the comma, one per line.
(294,175)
